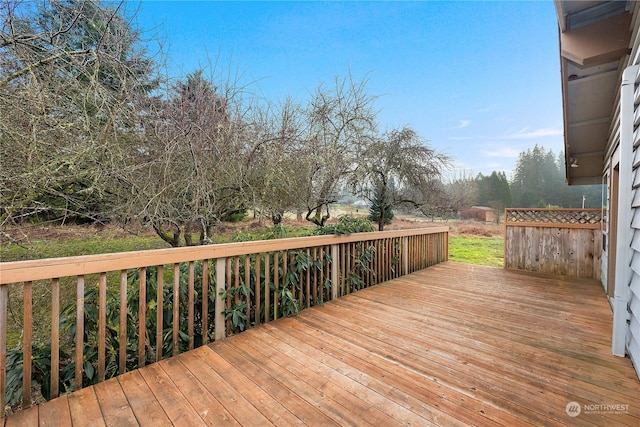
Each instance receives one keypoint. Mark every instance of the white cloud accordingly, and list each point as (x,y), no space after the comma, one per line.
(461,125)
(524,133)
(503,152)
(532,134)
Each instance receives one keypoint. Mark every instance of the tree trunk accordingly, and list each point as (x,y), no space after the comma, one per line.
(171,238)
(276,218)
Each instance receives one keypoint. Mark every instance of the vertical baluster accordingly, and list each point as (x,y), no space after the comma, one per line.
(55,338)
(389,264)
(4,298)
(257,290)
(229,287)
(410,240)
(376,261)
(236,273)
(190,303)
(328,273)
(335,270)
(343,267)
(314,286)
(367,248)
(102,325)
(142,316)
(381,260)
(355,253)
(387,259)
(159,311)
(26,345)
(79,332)
(247,287)
(289,279)
(308,282)
(285,272)
(392,255)
(176,307)
(276,283)
(122,333)
(346,260)
(267,288)
(205,301)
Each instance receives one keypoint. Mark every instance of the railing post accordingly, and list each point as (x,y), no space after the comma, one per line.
(446,246)
(27,343)
(4,297)
(220,329)
(335,268)
(79,356)
(405,255)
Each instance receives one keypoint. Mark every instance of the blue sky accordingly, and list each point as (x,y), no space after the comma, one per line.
(479,80)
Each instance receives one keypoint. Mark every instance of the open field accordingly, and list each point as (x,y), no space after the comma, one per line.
(472,242)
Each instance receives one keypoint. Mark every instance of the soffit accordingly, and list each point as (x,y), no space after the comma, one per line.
(594,35)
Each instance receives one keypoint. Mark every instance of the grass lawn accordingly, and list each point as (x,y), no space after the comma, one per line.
(83,246)
(477,250)
(462,248)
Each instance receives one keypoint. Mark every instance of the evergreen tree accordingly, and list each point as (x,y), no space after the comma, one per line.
(538,181)
(494,190)
(381,208)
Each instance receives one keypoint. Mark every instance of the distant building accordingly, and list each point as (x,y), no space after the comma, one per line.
(479,213)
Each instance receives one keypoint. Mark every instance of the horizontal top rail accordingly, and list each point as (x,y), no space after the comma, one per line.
(24,271)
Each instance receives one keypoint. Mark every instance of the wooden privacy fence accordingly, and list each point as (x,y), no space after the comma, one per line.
(555,241)
(111,313)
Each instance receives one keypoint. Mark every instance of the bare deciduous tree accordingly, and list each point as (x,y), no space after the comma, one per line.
(276,160)
(400,168)
(190,173)
(461,190)
(341,122)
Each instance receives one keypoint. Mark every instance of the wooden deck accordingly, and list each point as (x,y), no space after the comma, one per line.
(454,344)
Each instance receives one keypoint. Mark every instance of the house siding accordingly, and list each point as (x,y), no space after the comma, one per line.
(628,285)
(633,332)
(633,308)
(632,339)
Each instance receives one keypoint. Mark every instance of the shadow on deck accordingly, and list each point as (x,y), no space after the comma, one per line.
(454,344)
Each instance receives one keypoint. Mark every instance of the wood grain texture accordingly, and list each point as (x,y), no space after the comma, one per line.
(453,345)
(556,250)
(21,271)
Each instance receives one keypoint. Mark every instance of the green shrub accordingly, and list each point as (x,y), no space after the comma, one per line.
(346,225)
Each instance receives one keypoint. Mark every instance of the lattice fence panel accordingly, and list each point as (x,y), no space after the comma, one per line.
(550,216)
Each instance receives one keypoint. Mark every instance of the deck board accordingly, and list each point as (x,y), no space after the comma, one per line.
(454,344)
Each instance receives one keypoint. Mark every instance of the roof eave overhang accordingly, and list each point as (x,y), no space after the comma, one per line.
(590,69)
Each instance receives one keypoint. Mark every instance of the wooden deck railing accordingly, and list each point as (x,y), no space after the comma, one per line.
(555,241)
(112,313)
